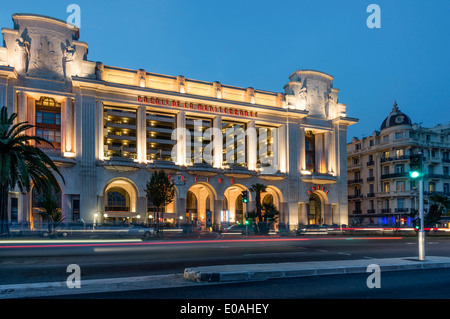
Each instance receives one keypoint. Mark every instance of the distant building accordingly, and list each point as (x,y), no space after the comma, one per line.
(113,127)
(380,191)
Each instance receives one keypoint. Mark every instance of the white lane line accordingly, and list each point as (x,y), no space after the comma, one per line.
(339,253)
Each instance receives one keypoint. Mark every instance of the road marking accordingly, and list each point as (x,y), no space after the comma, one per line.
(344,254)
(322,251)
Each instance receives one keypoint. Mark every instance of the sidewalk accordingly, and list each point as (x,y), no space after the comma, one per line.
(249,272)
(198,276)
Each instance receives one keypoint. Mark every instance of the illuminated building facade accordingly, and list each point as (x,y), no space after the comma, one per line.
(112,127)
(380,189)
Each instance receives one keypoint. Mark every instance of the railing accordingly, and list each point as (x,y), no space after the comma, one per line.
(371,211)
(371,179)
(354,181)
(370,194)
(117,209)
(402,210)
(355,196)
(394,175)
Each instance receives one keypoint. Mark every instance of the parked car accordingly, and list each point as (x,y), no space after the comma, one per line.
(311,229)
(141,230)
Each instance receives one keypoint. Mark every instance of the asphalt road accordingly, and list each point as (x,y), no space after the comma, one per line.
(33,263)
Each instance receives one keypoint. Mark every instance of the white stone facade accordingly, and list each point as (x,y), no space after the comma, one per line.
(112,127)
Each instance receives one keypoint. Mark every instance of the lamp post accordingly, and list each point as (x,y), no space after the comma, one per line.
(416,171)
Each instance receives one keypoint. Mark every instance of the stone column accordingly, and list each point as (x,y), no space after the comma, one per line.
(99,130)
(181,208)
(3,92)
(275,149)
(88,178)
(217,142)
(302,149)
(22,107)
(282,148)
(251,146)
(218,204)
(141,138)
(181,139)
(67,125)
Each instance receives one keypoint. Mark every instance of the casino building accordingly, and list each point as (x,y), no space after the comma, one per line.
(112,127)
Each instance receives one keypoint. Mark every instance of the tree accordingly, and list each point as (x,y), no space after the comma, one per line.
(270,212)
(439,205)
(258,189)
(51,212)
(21,163)
(161,192)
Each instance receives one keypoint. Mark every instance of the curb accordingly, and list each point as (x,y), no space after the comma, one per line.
(253,272)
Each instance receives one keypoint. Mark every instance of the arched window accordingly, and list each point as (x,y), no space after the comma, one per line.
(117,200)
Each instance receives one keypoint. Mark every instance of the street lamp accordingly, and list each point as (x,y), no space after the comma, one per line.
(416,172)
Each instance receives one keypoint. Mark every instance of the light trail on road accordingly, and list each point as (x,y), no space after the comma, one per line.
(76,243)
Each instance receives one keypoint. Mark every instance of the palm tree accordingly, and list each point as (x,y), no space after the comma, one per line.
(51,212)
(21,163)
(270,212)
(161,192)
(258,189)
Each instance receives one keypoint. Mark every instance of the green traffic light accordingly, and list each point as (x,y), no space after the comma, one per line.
(414,174)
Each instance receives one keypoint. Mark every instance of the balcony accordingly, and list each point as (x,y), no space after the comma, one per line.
(238,171)
(121,164)
(370,163)
(385,210)
(355,196)
(371,211)
(357,212)
(395,158)
(355,181)
(162,164)
(395,175)
(402,210)
(370,194)
(371,179)
(202,169)
(318,178)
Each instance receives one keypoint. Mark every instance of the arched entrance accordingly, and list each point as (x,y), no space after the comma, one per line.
(234,206)
(120,203)
(315,210)
(200,205)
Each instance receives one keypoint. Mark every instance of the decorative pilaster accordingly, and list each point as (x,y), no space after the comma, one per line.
(99,130)
(251,145)
(67,125)
(217,142)
(141,127)
(302,149)
(181,141)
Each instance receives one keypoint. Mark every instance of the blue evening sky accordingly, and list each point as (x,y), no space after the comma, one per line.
(260,43)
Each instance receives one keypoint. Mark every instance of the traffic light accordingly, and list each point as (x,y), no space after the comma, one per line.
(415,165)
(416,223)
(245,196)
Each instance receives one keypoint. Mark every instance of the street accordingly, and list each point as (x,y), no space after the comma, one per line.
(37,262)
